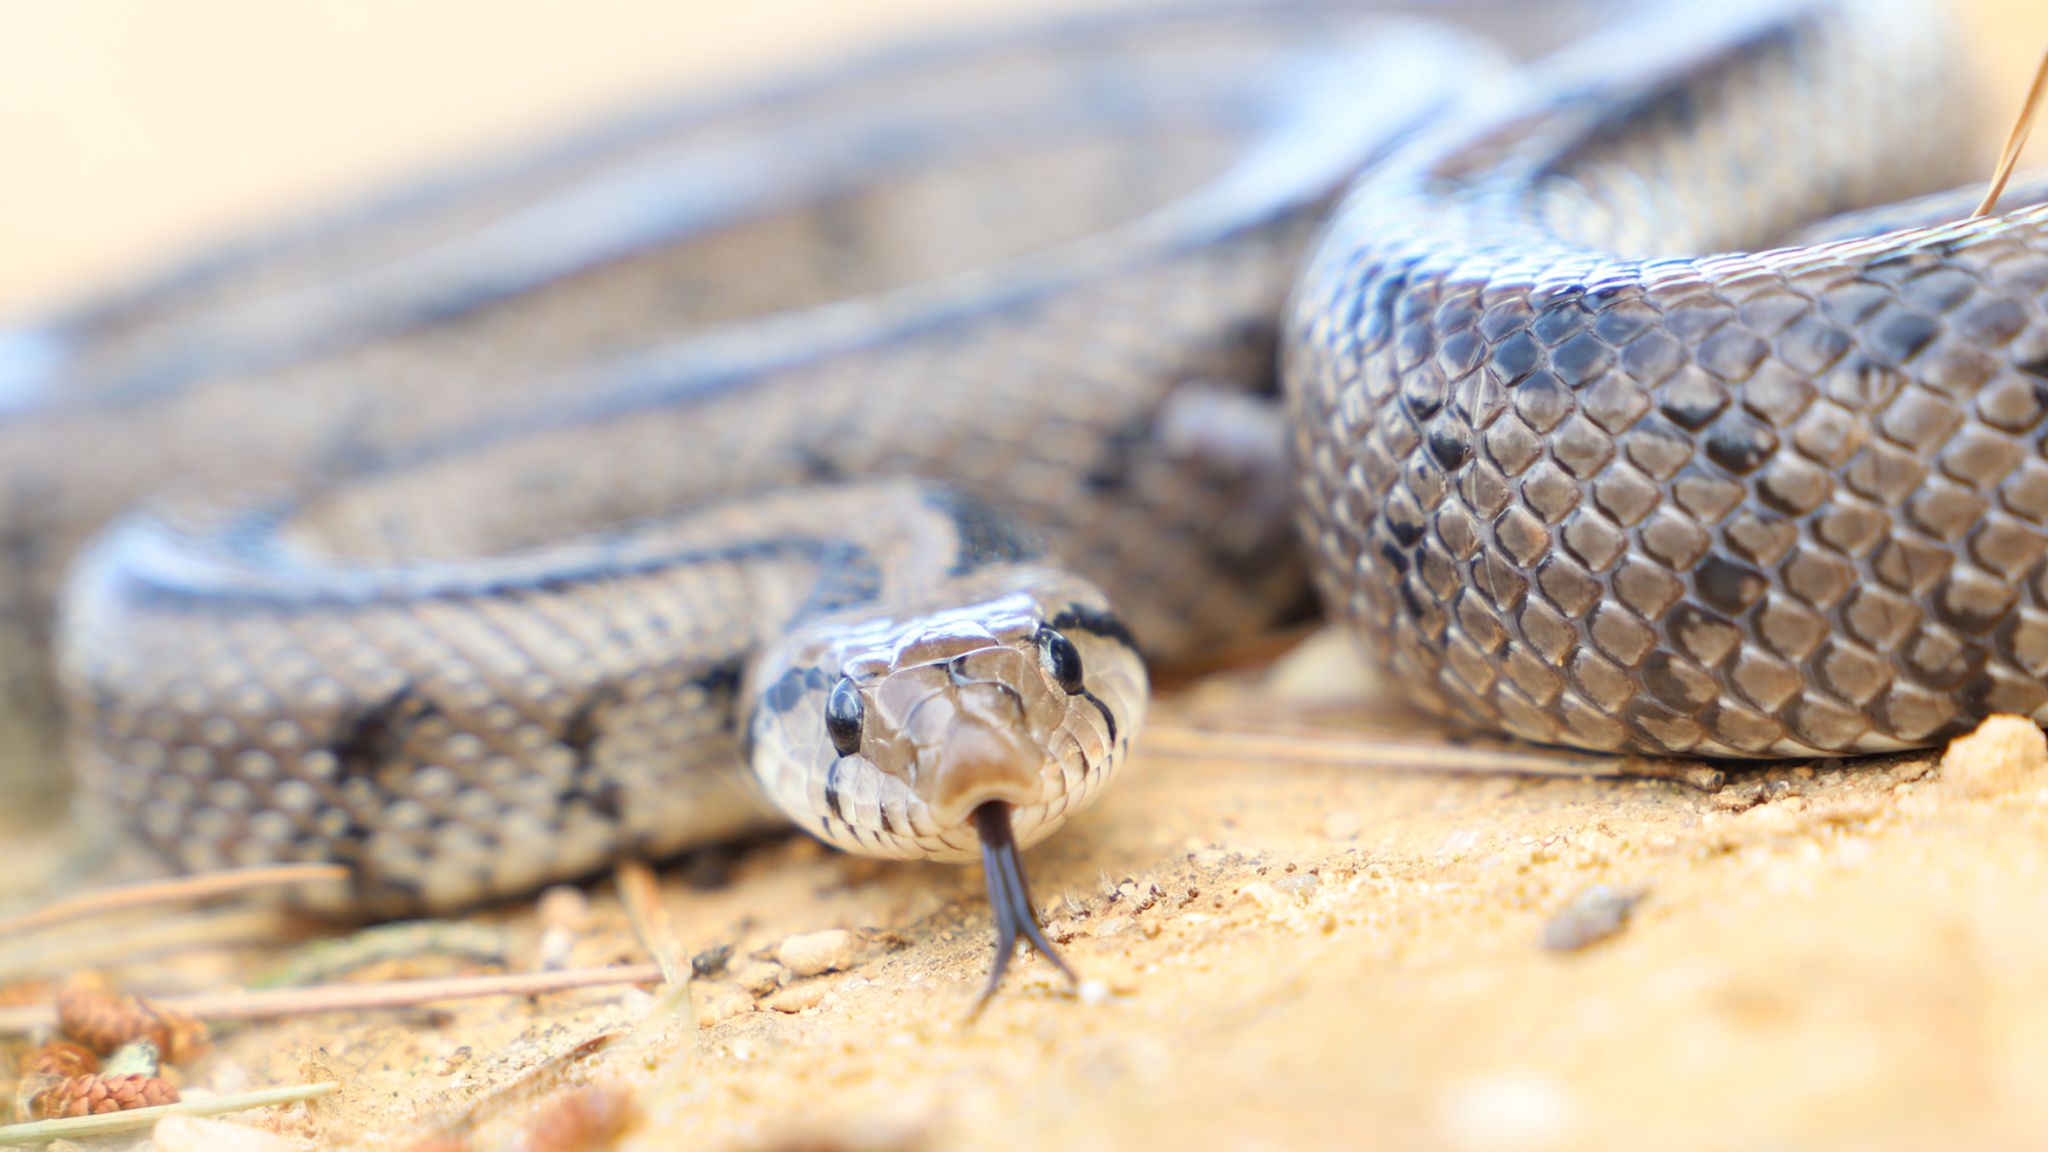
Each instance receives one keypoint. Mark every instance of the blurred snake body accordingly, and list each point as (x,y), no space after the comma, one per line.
(869,430)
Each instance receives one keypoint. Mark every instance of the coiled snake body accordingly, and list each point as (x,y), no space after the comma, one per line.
(584,476)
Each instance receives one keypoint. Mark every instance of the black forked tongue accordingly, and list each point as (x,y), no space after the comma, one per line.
(1008,897)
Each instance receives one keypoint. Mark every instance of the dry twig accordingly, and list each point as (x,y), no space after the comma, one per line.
(155,892)
(248,1005)
(656,933)
(1370,750)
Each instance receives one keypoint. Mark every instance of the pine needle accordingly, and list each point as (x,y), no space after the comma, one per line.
(2015,142)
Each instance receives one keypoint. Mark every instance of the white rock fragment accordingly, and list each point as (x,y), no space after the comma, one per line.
(1506,1113)
(1593,915)
(1327,667)
(2004,753)
(1458,843)
(1267,897)
(199,1134)
(813,953)
(1301,885)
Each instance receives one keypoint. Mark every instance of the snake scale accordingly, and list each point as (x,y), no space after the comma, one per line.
(869,429)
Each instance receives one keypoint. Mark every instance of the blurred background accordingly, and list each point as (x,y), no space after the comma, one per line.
(134,130)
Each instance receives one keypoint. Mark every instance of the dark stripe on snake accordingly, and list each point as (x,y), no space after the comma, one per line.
(1108,717)
(847,576)
(580,734)
(832,791)
(785,693)
(1074,617)
(986,536)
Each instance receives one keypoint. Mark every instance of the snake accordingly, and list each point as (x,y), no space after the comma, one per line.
(877,431)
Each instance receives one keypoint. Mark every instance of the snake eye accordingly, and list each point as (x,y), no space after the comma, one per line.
(1061,659)
(843,715)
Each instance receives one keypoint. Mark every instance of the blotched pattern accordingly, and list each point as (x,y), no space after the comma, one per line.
(1574,483)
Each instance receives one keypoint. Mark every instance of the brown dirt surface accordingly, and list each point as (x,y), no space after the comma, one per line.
(1282,948)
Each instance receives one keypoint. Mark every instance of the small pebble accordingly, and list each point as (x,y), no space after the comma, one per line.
(1458,843)
(1739,796)
(200,1134)
(2003,753)
(438,1144)
(1264,895)
(1593,915)
(1852,810)
(813,953)
(718,1002)
(1506,1113)
(757,977)
(1775,818)
(1327,666)
(582,1119)
(565,906)
(1301,885)
(711,962)
(564,915)
(798,997)
(1092,992)
(1342,826)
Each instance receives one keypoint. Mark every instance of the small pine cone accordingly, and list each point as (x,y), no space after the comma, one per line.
(103,1020)
(92,1095)
(60,1060)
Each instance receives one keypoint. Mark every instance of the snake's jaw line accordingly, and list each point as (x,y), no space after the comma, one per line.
(1009,899)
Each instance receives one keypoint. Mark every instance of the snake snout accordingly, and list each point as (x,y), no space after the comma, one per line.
(978,762)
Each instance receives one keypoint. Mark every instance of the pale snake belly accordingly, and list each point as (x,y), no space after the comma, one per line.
(554,497)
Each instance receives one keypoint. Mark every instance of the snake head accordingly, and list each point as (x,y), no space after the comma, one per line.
(882,731)
(967,723)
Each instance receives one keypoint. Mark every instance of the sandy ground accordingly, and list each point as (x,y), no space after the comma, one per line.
(1284,950)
